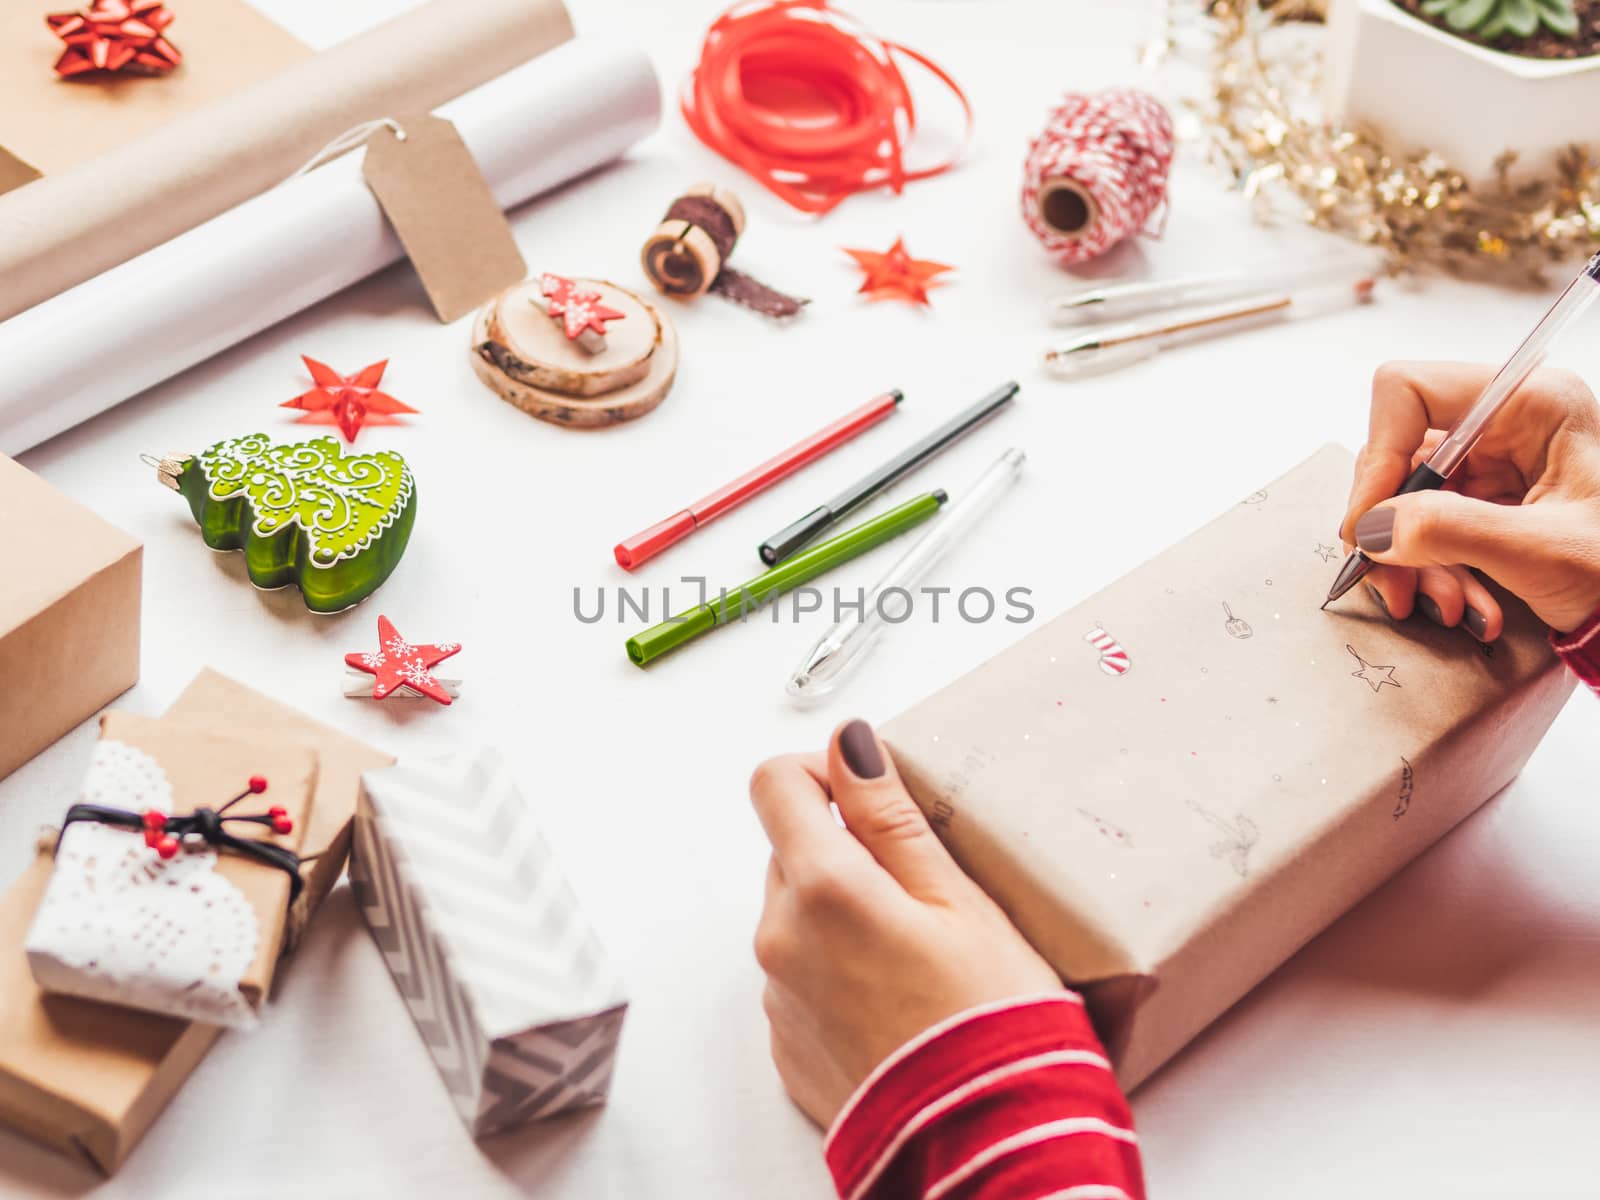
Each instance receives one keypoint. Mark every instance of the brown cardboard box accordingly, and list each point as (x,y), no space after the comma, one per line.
(88,1079)
(1174,786)
(69,614)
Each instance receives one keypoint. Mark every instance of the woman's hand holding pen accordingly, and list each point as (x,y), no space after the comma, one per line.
(1524,508)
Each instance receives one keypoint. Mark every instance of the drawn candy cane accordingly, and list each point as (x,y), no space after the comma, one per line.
(1114,659)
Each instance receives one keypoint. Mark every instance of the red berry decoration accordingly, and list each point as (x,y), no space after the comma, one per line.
(151,837)
(282,824)
(154,819)
(258,784)
(167,846)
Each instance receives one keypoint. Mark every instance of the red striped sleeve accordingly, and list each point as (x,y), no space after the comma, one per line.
(1581,650)
(1010,1101)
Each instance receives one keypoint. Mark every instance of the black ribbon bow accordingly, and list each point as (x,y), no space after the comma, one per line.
(166,834)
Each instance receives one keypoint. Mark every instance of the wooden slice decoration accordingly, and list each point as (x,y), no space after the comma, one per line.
(532,349)
(524,356)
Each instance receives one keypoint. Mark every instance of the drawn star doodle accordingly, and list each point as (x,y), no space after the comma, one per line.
(1235,627)
(1378,677)
(1407,781)
(1239,836)
(1326,553)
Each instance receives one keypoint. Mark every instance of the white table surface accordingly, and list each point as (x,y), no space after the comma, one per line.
(1440,1040)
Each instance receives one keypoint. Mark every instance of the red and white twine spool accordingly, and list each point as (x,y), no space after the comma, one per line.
(1098,172)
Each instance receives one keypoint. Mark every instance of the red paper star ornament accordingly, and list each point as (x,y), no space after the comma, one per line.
(399,664)
(112,36)
(348,401)
(895,275)
(578,310)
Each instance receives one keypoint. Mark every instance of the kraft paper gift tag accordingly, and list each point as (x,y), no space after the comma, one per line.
(1176,784)
(435,196)
(196,935)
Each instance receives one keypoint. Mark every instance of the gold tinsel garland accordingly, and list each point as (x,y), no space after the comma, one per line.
(1259,112)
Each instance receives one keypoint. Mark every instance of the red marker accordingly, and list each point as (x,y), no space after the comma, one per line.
(645,545)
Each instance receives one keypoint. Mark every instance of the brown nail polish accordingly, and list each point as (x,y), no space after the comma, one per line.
(1430,608)
(1477,623)
(1377,598)
(1375,530)
(859,749)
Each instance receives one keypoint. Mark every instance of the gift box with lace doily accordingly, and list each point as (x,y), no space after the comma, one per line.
(174,871)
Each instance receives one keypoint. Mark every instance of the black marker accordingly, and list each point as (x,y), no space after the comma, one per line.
(786,541)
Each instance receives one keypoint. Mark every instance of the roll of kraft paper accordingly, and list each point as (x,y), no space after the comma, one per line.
(92,347)
(65,228)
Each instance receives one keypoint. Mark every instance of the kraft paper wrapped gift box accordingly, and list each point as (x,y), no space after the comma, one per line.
(69,614)
(89,1079)
(196,936)
(501,971)
(1174,786)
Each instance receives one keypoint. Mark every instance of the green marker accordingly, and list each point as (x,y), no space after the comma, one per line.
(791,573)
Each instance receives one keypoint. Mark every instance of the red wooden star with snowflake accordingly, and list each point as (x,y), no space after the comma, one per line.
(348,401)
(115,35)
(400,664)
(895,275)
(578,310)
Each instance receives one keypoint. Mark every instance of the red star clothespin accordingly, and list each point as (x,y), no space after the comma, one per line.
(400,664)
(895,275)
(115,35)
(578,310)
(346,401)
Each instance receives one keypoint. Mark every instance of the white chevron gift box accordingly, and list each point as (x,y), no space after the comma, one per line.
(504,976)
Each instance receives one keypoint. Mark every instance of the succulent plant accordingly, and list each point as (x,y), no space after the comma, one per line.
(1491,18)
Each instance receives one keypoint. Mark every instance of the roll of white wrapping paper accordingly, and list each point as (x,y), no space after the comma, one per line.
(67,360)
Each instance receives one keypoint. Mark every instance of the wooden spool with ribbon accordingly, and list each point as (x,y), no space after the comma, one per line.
(687,255)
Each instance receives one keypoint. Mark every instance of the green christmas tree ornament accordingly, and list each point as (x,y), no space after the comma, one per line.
(334,525)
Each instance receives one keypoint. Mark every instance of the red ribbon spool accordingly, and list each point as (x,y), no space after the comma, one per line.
(808,102)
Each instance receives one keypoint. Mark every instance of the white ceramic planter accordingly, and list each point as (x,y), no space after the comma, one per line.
(1421,88)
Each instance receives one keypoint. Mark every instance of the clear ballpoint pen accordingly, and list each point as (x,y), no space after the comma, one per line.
(1104,303)
(1458,443)
(848,641)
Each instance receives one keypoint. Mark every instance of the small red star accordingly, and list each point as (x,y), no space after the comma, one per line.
(346,401)
(895,275)
(399,664)
(577,310)
(115,35)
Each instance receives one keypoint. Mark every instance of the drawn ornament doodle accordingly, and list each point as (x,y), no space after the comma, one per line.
(1235,627)
(1112,833)
(1114,659)
(1407,782)
(1238,838)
